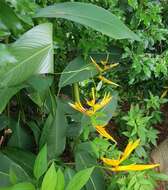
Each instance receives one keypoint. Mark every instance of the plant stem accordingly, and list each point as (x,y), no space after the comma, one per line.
(76,92)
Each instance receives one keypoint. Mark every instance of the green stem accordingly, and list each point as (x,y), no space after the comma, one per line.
(76,92)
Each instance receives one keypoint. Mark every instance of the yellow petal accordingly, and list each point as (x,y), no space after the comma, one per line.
(106,99)
(110,162)
(107,67)
(128,150)
(96,65)
(91,103)
(134,167)
(101,130)
(77,106)
(107,81)
(89,112)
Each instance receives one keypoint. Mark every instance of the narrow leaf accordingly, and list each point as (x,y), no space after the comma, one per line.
(40,165)
(50,179)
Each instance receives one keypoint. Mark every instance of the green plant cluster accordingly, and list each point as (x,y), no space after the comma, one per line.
(47,49)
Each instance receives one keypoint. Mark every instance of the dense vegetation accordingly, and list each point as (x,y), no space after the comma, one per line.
(81,87)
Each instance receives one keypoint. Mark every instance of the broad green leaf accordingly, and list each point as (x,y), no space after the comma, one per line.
(38,88)
(20,137)
(80,179)
(60,180)
(36,131)
(4,122)
(85,158)
(68,173)
(8,18)
(25,9)
(77,71)
(20,186)
(23,158)
(50,179)
(17,174)
(34,54)
(4,31)
(40,83)
(6,94)
(57,134)
(23,186)
(89,15)
(4,179)
(5,167)
(160,176)
(41,163)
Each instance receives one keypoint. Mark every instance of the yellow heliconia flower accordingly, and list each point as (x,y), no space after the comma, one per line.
(132,167)
(93,105)
(102,131)
(102,78)
(105,68)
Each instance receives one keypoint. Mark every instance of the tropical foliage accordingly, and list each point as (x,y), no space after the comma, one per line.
(82,84)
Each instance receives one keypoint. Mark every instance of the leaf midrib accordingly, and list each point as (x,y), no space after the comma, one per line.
(22,62)
(90,178)
(75,73)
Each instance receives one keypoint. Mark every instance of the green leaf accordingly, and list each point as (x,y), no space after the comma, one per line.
(36,131)
(57,134)
(68,173)
(46,130)
(77,71)
(23,158)
(89,15)
(106,113)
(160,176)
(7,164)
(34,55)
(8,18)
(20,186)
(84,159)
(41,163)
(38,90)
(4,122)
(20,137)
(6,94)
(80,179)
(17,174)
(60,180)
(50,179)
(4,179)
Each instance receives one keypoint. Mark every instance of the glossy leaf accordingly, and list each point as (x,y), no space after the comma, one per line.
(20,186)
(41,163)
(23,158)
(60,180)
(96,181)
(50,179)
(77,71)
(20,137)
(79,179)
(33,52)
(7,164)
(89,15)
(57,135)
(68,173)
(6,94)
(9,18)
